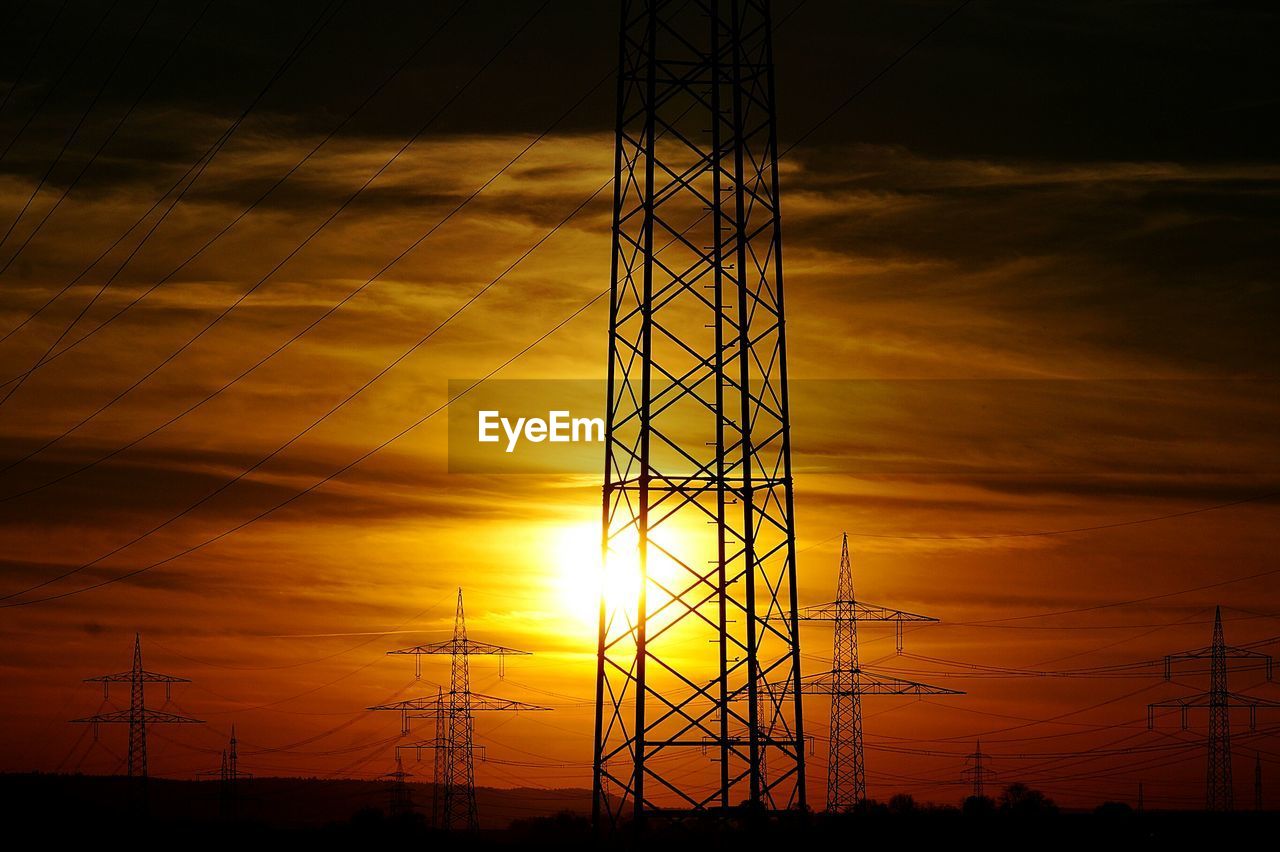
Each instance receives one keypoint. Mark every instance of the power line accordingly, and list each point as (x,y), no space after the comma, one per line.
(62,76)
(110,135)
(1132,601)
(135,572)
(35,51)
(297,495)
(84,115)
(1092,528)
(291,254)
(194,171)
(337,306)
(875,78)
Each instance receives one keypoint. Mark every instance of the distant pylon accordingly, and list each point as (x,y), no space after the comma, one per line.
(1219,701)
(453,713)
(401,802)
(231,779)
(437,746)
(138,716)
(229,775)
(846,683)
(978,772)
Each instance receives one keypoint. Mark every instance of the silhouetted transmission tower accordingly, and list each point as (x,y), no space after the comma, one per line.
(229,776)
(978,773)
(847,682)
(401,802)
(694,652)
(1219,701)
(138,716)
(454,715)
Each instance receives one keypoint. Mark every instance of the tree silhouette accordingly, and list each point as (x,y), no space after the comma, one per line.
(1020,800)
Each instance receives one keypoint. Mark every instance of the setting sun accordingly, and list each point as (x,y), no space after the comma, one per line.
(580,575)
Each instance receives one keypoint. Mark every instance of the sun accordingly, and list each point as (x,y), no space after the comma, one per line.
(576,552)
(581,578)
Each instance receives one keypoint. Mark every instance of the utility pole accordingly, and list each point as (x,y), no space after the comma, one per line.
(1141,799)
(1219,701)
(138,716)
(454,715)
(847,682)
(978,773)
(697,534)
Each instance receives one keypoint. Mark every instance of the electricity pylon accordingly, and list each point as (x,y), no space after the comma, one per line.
(138,716)
(1218,700)
(436,745)
(229,776)
(978,773)
(401,802)
(453,714)
(847,682)
(698,538)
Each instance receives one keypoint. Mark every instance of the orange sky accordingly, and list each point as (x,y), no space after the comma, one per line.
(1006,344)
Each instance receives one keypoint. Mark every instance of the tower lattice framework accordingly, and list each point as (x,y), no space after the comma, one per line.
(453,713)
(847,682)
(1219,792)
(698,644)
(138,716)
(978,773)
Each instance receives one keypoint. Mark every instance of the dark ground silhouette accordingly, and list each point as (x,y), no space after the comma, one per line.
(289,812)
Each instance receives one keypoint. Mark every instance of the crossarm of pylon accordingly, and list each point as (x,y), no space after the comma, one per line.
(1229,651)
(149,716)
(461,646)
(861,611)
(1204,699)
(435,704)
(432,704)
(420,745)
(488,702)
(145,677)
(866,683)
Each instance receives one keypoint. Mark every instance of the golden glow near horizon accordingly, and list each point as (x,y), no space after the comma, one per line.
(908,268)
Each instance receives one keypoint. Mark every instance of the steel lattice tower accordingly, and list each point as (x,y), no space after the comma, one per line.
(401,802)
(847,682)
(229,776)
(978,773)
(1218,785)
(1219,701)
(454,715)
(138,716)
(846,765)
(698,537)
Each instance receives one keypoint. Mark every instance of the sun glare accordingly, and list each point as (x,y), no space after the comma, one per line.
(581,578)
(577,555)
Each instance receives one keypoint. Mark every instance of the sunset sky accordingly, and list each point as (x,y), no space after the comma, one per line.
(1032,299)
